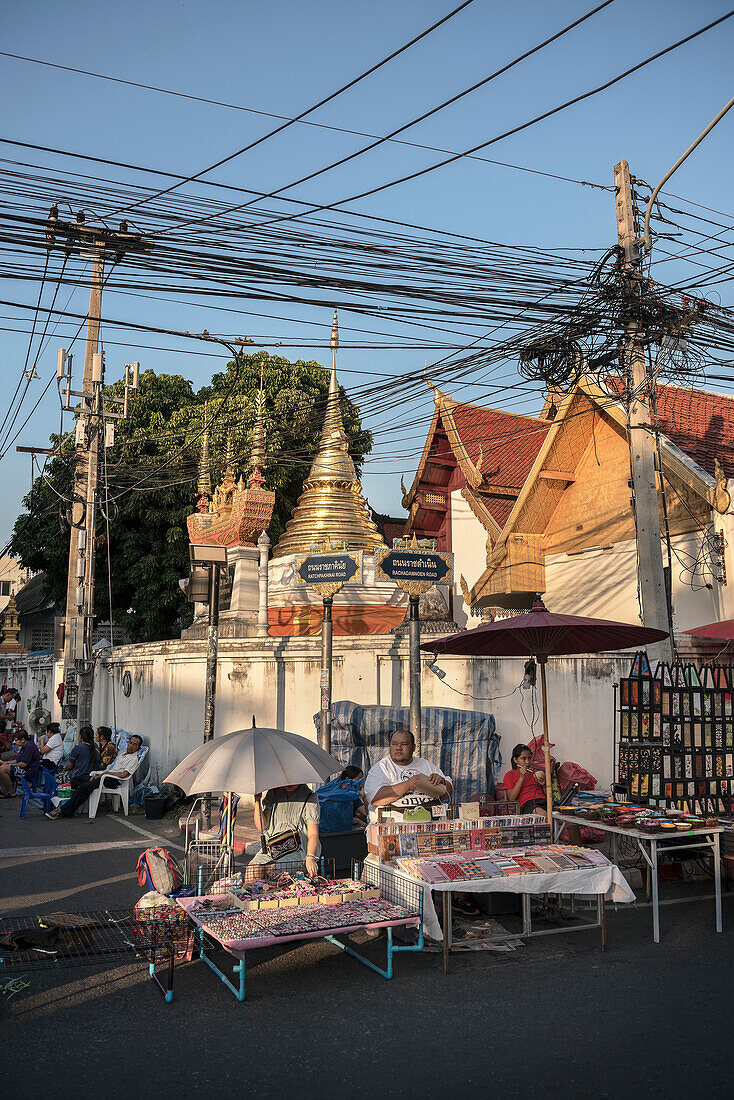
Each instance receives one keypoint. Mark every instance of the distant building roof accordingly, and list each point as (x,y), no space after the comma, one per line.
(33,597)
(390,527)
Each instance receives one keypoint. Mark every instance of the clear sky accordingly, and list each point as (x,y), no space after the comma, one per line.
(283,55)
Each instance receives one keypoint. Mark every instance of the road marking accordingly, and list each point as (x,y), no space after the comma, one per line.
(68,849)
(151,836)
(94,846)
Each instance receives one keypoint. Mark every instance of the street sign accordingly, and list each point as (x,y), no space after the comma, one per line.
(318,569)
(423,566)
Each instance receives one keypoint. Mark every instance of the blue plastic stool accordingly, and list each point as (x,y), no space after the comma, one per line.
(43,795)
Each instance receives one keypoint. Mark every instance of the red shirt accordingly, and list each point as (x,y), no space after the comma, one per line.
(531,788)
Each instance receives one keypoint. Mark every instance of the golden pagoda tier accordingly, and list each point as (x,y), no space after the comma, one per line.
(331,505)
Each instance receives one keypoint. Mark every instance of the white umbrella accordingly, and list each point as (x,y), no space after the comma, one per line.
(251,761)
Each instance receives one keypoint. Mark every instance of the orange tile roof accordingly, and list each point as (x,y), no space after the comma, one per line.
(699,422)
(509,442)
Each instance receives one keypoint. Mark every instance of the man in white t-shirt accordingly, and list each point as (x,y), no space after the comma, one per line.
(393,781)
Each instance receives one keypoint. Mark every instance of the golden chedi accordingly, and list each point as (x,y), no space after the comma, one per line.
(331,505)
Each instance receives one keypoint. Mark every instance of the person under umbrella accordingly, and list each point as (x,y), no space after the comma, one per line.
(291,811)
(543,634)
(275,766)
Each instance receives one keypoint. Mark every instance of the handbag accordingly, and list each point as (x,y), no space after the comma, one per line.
(283,843)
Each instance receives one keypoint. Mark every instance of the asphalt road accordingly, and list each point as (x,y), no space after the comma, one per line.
(555,1018)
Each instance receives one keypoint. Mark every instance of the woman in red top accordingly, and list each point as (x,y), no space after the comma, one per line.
(524,785)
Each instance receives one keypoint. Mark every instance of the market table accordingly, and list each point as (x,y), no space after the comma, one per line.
(239,947)
(605,882)
(708,838)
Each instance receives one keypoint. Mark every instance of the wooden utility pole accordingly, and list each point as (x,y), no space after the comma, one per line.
(80,579)
(101,244)
(646,508)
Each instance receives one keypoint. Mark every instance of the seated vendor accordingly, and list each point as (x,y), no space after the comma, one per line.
(291,809)
(393,781)
(524,784)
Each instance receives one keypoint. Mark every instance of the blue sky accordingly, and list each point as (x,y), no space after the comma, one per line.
(280,57)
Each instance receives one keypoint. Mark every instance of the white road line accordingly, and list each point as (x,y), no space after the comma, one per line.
(151,836)
(68,849)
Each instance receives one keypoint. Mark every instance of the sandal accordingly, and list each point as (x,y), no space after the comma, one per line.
(466,908)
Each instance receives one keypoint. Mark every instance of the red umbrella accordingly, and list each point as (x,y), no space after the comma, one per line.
(541,634)
(724,631)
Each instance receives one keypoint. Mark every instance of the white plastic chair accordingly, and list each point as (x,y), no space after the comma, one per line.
(122,791)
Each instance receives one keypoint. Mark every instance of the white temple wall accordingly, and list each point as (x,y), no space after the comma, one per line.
(469,545)
(603,583)
(277,680)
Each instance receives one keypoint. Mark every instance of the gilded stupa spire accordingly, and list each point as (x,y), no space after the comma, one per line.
(204,487)
(331,505)
(257,451)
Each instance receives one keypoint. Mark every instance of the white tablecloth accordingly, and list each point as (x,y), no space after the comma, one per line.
(607,880)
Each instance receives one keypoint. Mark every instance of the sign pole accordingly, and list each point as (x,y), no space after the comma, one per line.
(326,638)
(414,568)
(327,569)
(414,637)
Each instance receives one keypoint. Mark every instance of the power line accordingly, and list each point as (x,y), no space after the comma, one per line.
(303,114)
(300,121)
(524,126)
(420,118)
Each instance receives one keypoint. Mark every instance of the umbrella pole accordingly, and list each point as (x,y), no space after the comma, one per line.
(546,746)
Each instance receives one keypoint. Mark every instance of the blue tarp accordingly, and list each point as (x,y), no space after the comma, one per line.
(463,743)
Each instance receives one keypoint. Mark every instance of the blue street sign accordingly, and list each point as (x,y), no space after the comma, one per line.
(414,565)
(327,568)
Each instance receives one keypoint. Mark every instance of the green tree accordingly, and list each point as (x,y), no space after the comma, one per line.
(150,479)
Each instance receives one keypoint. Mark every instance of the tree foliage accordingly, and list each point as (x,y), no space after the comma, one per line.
(146,502)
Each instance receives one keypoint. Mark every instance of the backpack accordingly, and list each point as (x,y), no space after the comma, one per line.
(337,800)
(158,870)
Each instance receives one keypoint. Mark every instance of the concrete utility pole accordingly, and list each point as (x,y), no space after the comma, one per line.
(655,606)
(99,243)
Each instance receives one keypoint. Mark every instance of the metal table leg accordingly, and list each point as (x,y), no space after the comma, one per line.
(601,916)
(655,900)
(717,880)
(447,917)
(527,923)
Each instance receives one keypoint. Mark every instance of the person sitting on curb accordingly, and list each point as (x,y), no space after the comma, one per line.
(123,766)
(26,763)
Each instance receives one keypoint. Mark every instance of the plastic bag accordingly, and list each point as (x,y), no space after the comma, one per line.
(569,773)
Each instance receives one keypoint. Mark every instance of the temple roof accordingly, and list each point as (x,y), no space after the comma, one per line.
(493,449)
(701,423)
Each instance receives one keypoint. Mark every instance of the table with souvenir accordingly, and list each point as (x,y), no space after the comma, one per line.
(654,832)
(244,912)
(475,850)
